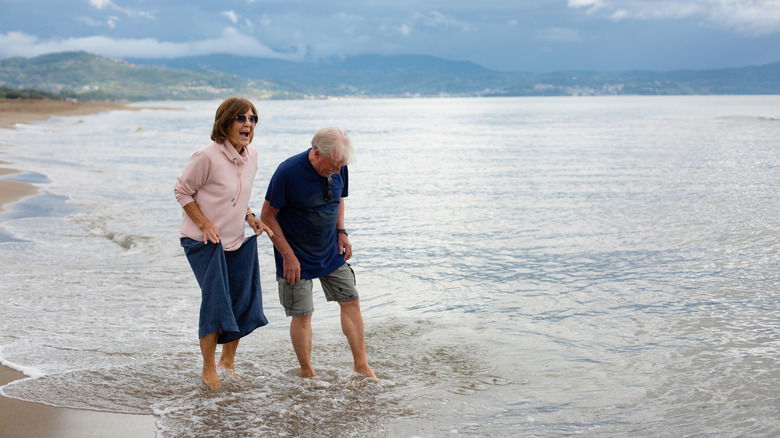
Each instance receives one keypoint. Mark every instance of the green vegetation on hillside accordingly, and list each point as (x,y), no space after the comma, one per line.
(89,77)
(27,93)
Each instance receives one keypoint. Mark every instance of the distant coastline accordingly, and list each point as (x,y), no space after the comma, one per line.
(13,111)
(91,77)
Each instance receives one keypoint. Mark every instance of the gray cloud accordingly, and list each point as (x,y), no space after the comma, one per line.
(559,35)
(231,41)
(500,34)
(747,17)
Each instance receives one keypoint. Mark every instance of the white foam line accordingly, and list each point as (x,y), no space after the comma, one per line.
(27,371)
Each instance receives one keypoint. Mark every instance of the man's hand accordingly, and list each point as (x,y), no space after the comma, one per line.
(292,268)
(345,248)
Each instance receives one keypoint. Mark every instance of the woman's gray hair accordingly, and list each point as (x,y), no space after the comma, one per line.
(333,142)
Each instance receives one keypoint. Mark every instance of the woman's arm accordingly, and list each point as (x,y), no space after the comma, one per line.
(210,231)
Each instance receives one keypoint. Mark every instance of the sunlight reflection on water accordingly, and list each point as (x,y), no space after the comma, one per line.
(526,266)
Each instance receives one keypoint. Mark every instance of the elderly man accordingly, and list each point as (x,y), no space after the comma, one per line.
(304,207)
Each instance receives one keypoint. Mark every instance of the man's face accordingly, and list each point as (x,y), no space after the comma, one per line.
(325,165)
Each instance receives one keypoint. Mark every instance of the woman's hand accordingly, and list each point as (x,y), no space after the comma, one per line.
(258,226)
(210,232)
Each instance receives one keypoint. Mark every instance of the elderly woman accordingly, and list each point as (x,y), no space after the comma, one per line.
(214,191)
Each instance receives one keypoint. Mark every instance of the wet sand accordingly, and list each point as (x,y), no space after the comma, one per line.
(11,191)
(20,419)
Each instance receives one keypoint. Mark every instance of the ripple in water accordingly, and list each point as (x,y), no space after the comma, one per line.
(420,365)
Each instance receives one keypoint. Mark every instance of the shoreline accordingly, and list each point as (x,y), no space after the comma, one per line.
(13,191)
(16,111)
(23,419)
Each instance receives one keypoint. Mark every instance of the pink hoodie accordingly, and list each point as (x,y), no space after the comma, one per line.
(220,181)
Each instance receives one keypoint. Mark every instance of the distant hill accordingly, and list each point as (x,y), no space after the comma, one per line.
(307,72)
(372,75)
(26,93)
(91,77)
(87,76)
(428,75)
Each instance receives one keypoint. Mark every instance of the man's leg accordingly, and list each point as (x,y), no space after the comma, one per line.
(352,326)
(297,300)
(208,348)
(301,334)
(228,358)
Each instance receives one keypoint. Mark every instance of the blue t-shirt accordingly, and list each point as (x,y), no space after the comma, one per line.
(307,220)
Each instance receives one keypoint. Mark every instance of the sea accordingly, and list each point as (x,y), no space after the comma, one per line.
(527,267)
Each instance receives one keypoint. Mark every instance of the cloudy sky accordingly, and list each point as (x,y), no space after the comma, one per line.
(506,35)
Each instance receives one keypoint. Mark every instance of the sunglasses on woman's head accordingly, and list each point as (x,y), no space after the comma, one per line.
(252,119)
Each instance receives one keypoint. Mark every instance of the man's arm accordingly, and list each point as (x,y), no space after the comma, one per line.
(345,247)
(292,267)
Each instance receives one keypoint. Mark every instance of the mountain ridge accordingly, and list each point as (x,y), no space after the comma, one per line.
(91,77)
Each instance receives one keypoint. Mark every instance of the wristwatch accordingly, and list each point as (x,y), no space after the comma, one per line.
(342,230)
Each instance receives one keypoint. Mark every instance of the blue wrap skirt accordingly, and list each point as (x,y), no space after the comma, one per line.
(231,298)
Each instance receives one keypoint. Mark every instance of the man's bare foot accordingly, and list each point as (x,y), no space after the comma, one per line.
(210,378)
(366,371)
(308,373)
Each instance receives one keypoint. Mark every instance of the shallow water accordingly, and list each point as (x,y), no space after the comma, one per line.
(527,267)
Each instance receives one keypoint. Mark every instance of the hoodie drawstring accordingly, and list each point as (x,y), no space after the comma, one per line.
(240,183)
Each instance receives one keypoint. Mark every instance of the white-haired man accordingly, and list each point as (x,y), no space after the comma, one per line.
(304,207)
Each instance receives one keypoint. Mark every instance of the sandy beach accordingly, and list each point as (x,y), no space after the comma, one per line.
(13,111)
(25,419)
(11,191)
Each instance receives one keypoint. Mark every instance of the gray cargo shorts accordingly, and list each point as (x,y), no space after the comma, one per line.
(297,299)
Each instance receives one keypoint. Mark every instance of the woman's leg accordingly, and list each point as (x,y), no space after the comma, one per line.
(228,358)
(208,348)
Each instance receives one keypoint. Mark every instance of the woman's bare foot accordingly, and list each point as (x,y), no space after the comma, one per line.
(210,378)
(223,365)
